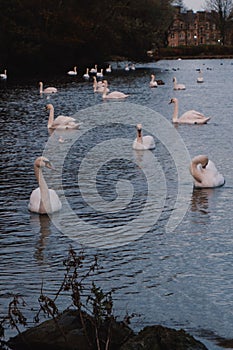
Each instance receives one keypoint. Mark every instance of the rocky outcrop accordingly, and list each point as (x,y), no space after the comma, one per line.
(67,333)
(162,338)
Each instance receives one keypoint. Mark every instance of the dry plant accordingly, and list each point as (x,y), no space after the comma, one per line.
(94,306)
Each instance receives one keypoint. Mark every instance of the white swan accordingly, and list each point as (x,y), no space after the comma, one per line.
(61,122)
(100,74)
(112,95)
(177,86)
(132,67)
(94,70)
(86,75)
(43,200)
(109,69)
(73,72)
(205,173)
(200,78)
(143,142)
(98,86)
(189,117)
(48,90)
(127,67)
(3,75)
(153,82)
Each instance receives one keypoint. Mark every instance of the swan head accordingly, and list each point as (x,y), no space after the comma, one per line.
(173,100)
(139,130)
(201,159)
(152,76)
(43,162)
(49,106)
(174,80)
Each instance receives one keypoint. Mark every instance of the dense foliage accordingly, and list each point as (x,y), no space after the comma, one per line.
(40,34)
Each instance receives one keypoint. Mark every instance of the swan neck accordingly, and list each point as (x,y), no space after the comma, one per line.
(45,205)
(41,88)
(175,112)
(105,90)
(196,172)
(51,117)
(139,136)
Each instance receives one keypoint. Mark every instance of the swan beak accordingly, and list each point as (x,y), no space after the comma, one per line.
(49,165)
(170,102)
(204,166)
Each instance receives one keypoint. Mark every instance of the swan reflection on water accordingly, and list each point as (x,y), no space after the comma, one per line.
(43,222)
(200,200)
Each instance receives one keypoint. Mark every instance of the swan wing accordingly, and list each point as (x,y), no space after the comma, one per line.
(54,200)
(147,143)
(34,202)
(50,90)
(71,125)
(212,178)
(208,177)
(61,119)
(116,94)
(192,114)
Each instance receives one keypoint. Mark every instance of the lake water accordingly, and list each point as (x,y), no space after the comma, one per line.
(165,249)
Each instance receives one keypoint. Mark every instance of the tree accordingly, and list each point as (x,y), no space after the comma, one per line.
(222,9)
(49,35)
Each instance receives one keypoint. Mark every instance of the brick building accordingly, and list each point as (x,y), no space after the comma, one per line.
(189,28)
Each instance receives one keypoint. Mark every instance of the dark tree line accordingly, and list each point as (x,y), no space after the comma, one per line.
(40,34)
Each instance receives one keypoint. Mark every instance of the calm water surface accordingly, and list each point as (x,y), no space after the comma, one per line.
(179,279)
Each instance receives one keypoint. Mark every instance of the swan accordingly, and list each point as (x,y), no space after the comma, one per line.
(112,95)
(177,86)
(200,77)
(73,72)
(143,142)
(132,67)
(48,90)
(189,117)
(3,75)
(205,173)
(93,70)
(127,67)
(61,122)
(43,200)
(109,69)
(153,82)
(100,74)
(86,75)
(98,86)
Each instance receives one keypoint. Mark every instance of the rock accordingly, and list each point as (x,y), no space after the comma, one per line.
(162,338)
(67,333)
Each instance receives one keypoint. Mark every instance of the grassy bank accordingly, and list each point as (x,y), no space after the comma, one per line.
(201,51)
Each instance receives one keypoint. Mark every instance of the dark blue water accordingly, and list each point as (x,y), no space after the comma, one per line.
(117,202)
